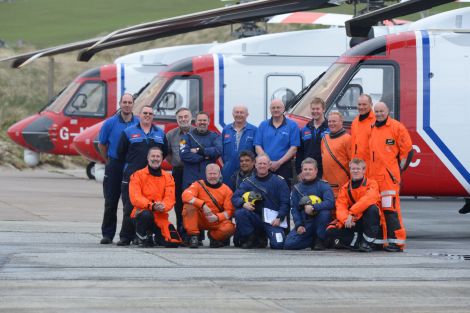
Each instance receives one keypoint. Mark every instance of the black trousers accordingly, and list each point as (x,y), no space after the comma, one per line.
(366,228)
(286,172)
(127,228)
(177,173)
(112,193)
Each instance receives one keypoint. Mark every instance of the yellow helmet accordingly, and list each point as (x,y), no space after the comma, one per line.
(312,199)
(251,197)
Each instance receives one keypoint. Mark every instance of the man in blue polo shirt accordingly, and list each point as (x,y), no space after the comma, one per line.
(278,137)
(236,137)
(110,134)
(133,148)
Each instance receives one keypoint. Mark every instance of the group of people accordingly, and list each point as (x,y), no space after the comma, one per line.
(241,183)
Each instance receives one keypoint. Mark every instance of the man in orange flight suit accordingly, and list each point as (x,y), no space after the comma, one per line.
(361,128)
(152,193)
(391,151)
(357,213)
(208,206)
(335,153)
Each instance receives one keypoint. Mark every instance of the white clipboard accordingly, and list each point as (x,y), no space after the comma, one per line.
(270,215)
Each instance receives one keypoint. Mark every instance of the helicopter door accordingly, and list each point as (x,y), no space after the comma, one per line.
(88,101)
(378,81)
(181,92)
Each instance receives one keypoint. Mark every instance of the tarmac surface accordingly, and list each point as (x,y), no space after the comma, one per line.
(51,261)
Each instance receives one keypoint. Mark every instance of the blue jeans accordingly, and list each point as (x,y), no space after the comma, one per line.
(314,228)
(249,223)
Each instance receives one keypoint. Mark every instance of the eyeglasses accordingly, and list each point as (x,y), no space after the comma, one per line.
(147,113)
(127,102)
(356,169)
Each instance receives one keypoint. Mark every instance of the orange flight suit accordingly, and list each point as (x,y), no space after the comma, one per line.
(145,189)
(340,146)
(389,144)
(364,196)
(194,197)
(360,136)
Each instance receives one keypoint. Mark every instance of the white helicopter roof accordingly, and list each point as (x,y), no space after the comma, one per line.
(164,56)
(458,19)
(318,42)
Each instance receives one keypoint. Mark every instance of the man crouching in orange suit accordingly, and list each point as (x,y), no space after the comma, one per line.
(152,193)
(208,205)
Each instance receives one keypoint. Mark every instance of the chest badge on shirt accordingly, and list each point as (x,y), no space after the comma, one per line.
(135,136)
(389,142)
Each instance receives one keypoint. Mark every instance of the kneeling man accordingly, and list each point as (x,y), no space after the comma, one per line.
(152,193)
(208,206)
(311,203)
(255,222)
(357,213)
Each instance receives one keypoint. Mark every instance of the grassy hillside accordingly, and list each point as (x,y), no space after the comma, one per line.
(49,22)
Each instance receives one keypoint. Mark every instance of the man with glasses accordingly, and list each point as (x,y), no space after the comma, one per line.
(133,147)
(109,136)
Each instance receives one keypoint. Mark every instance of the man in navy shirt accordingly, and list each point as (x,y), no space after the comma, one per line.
(236,137)
(279,138)
(110,134)
(198,148)
(311,136)
(133,148)
(253,224)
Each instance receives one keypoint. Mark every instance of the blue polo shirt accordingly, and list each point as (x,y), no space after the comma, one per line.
(110,132)
(231,148)
(276,141)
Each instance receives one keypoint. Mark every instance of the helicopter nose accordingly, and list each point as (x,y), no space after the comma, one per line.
(21,131)
(34,133)
(87,143)
(15,132)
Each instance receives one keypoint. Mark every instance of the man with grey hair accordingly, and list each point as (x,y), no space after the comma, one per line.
(183,118)
(236,137)
(312,201)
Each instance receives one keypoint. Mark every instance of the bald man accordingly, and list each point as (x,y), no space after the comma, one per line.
(208,206)
(361,127)
(390,154)
(236,137)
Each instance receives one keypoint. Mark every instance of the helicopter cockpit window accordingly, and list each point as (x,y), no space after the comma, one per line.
(89,100)
(181,92)
(377,81)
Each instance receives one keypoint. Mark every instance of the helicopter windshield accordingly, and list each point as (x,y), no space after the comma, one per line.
(61,101)
(322,89)
(148,95)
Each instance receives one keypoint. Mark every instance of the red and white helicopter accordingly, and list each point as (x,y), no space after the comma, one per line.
(90,98)
(423,76)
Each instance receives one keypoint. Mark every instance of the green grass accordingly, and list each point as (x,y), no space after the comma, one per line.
(44,23)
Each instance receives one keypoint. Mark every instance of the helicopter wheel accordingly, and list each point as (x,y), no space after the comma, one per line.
(90,170)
